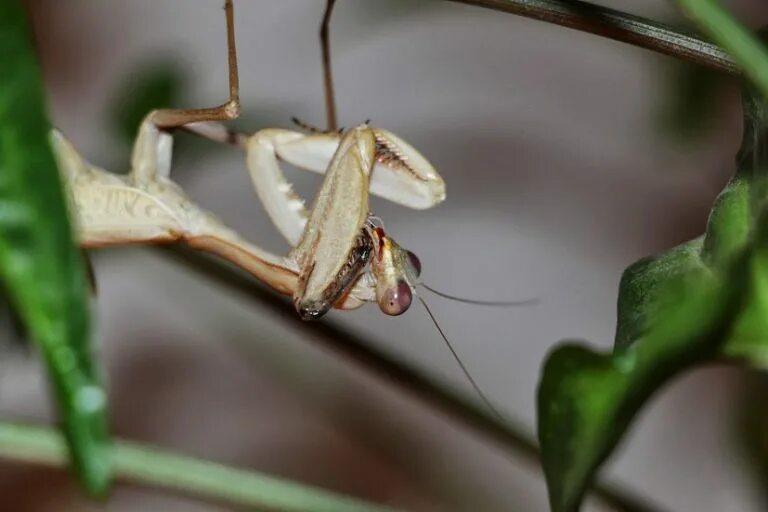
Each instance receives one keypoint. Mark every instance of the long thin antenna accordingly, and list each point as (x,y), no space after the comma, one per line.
(492,303)
(461,365)
(325,47)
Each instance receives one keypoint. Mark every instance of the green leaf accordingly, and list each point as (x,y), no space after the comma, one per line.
(700,301)
(586,400)
(728,233)
(639,297)
(748,340)
(730,221)
(42,270)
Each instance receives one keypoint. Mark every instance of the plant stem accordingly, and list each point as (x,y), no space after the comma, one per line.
(619,26)
(134,462)
(510,434)
(716,21)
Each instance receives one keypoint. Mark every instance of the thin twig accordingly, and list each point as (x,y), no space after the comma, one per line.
(150,465)
(620,26)
(512,435)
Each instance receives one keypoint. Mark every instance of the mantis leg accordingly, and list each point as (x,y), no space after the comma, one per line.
(173,118)
(284,207)
(325,48)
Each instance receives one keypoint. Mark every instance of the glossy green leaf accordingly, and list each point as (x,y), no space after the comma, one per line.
(586,400)
(748,339)
(639,297)
(42,270)
(700,301)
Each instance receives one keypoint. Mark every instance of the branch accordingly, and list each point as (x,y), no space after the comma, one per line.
(619,26)
(134,462)
(511,435)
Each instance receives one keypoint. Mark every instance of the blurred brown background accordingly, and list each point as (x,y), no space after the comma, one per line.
(561,171)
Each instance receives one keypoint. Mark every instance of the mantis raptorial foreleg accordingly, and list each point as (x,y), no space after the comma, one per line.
(400,174)
(361,160)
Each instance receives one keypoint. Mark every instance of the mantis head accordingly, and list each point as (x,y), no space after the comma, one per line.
(396,271)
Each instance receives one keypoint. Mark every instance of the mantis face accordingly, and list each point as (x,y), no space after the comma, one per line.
(396,271)
(377,263)
(340,238)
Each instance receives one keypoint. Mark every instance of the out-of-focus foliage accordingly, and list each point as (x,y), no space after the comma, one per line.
(152,85)
(41,268)
(691,101)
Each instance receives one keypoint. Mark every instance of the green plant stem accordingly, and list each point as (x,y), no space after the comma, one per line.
(145,464)
(510,434)
(620,26)
(721,26)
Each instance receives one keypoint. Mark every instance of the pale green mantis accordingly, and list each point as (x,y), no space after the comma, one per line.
(342,256)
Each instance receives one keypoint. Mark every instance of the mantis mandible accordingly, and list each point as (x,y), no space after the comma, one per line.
(342,256)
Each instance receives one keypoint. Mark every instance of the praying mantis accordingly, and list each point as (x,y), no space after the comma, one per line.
(342,256)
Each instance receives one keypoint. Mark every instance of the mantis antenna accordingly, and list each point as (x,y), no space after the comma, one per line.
(458,360)
(476,302)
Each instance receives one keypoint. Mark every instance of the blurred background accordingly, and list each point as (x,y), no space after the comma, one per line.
(566,157)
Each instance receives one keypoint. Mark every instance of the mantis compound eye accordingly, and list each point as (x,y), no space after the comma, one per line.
(414,262)
(395,300)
